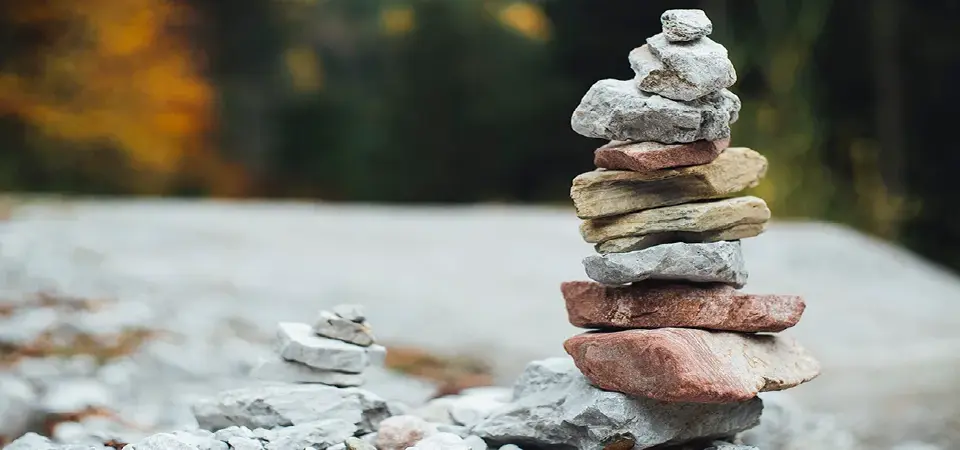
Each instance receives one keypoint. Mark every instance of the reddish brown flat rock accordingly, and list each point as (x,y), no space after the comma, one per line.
(653,304)
(690,365)
(644,156)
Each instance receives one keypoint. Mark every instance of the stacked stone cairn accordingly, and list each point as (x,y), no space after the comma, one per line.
(334,351)
(663,214)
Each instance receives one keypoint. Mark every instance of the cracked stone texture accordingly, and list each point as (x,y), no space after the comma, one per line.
(617,110)
(280,370)
(556,406)
(333,326)
(283,405)
(652,304)
(690,365)
(648,156)
(605,193)
(297,342)
(682,71)
(720,262)
(257,263)
(634,243)
(681,25)
(673,222)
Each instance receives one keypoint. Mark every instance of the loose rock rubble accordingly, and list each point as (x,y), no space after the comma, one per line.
(673,363)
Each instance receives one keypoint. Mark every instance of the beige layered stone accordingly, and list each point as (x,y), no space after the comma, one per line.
(728,219)
(689,365)
(605,193)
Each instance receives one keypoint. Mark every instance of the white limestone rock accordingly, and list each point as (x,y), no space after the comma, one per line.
(280,370)
(330,325)
(683,25)
(618,110)
(297,342)
(712,262)
(284,405)
(557,406)
(320,434)
(351,312)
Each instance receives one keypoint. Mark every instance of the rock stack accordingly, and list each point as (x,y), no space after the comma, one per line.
(662,212)
(334,351)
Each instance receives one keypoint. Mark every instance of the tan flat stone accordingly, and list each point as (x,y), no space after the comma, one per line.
(690,365)
(658,304)
(604,193)
(671,221)
(632,243)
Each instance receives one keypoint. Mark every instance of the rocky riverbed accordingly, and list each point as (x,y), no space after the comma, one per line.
(198,287)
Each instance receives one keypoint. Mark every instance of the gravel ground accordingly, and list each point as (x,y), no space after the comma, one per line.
(476,280)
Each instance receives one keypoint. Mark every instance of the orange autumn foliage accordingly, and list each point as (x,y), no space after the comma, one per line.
(118,74)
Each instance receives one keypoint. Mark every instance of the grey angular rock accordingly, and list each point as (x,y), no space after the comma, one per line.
(297,342)
(786,426)
(243,443)
(475,442)
(320,434)
(235,431)
(273,406)
(33,441)
(720,262)
(351,312)
(280,370)
(681,25)
(617,110)
(686,71)
(567,411)
(161,441)
(441,441)
(682,71)
(352,443)
(199,439)
(468,409)
(332,326)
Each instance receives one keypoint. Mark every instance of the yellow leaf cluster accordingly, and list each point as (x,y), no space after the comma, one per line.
(527,19)
(116,74)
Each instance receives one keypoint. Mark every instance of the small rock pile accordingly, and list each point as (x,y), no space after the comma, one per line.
(334,351)
(662,212)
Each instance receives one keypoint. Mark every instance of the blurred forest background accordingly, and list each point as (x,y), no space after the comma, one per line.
(446,101)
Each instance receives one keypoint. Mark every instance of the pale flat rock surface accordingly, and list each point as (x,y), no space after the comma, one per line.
(279,370)
(634,243)
(205,265)
(297,342)
(681,25)
(333,326)
(715,262)
(691,365)
(647,156)
(679,219)
(603,193)
(556,406)
(651,304)
(618,111)
(283,405)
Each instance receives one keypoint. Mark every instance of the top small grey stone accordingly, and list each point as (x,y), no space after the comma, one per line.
(681,25)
